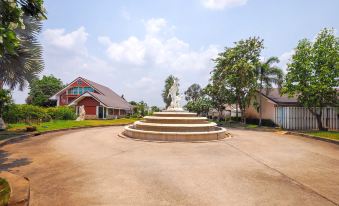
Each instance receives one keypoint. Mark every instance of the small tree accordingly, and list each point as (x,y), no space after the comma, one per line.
(219,95)
(268,75)
(155,109)
(42,89)
(193,92)
(201,105)
(312,73)
(168,83)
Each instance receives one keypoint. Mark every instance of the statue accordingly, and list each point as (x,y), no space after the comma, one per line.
(175,103)
(82,113)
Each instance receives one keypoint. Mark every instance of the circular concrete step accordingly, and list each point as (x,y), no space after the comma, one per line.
(175,114)
(174,136)
(174,127)
(176,120)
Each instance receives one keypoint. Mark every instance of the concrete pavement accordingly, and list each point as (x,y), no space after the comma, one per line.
(96,167)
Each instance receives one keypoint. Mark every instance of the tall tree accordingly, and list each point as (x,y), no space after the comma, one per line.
(236,67)
(313,72)
(20,52)
(42,89)
(269,74)
(193,92)
(168,83)
(23,66)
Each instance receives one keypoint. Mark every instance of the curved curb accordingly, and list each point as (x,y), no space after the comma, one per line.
(313,137)
(24,136)
(227,136)
(20,191)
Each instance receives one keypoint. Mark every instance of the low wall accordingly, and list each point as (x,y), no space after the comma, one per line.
(20,192)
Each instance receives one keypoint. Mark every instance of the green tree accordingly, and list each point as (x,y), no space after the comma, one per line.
(218,94)
(12,15)
(168,83)
(25,65)
(313,72)
(5,101)
(139,108)
(193,92)
(236,68)
(142,108)
(155,109)
(42,89)
(269,74)
(201,105)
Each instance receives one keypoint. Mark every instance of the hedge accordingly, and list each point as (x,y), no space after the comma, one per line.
(29,113)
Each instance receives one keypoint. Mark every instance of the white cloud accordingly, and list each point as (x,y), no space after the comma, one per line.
(131,50)
(285,59)
(74,40)
(154,26)
(135,67)
(221,4)
(158,50)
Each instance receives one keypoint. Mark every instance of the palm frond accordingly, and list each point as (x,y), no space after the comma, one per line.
(24,66)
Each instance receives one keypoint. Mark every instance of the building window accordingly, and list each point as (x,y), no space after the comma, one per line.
(88,89)
(73,91)
(79,82)
(80,90)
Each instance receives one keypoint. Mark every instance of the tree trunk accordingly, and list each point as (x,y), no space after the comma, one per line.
(320,124)
(2,123)
(318,117)
(236,111)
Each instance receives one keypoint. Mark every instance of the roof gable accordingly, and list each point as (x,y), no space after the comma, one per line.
(107,96)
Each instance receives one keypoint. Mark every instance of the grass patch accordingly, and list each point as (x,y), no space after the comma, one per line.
(5,192)
(251,126)
(65,124)
(334,135)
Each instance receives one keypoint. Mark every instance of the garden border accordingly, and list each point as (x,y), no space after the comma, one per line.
(312,137)
(32,134)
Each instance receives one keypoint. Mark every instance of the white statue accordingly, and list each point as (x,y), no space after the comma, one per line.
(175,103)
(82,113)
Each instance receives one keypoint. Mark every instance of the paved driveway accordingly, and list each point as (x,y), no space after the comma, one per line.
(96,167)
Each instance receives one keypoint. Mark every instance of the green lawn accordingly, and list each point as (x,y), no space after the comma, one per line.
(5,192)
(64,124)
(325,134)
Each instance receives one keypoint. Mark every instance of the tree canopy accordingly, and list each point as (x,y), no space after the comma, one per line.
(12,21)
(313,73)
(193,92)
(236,72)
(42,89)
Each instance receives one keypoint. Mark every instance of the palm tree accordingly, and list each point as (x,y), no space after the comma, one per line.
(269,75)
(22,67)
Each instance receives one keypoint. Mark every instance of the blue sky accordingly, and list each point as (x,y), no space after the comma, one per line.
(132,46)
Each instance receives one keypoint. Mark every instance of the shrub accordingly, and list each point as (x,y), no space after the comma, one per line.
(61,113)
(25,113)
(264,122)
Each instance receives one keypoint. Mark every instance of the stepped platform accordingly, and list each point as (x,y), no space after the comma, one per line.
(175,126)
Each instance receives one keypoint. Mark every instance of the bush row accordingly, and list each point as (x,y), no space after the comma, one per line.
(29,113)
